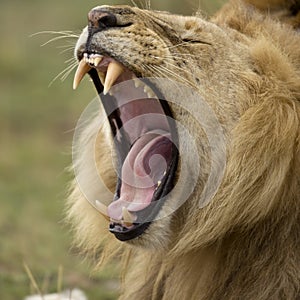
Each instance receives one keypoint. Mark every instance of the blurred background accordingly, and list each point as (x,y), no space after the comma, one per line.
(36,129)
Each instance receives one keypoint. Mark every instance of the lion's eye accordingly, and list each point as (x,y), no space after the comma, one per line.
(195,41)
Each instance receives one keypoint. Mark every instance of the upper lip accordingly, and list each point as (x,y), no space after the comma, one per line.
(105,73)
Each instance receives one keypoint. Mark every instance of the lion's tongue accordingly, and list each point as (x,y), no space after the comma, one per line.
(142,171)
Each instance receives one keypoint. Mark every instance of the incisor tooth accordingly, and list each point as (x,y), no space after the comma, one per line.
(102,209)
(114,70)
(128,218)
(82,69)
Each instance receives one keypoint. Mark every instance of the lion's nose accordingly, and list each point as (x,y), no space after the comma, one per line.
(101,19)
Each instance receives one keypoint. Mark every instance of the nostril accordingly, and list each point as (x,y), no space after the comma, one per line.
(101,19)
(109,20)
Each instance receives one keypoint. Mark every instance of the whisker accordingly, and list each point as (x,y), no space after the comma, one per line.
(64,33)
(148,4)
(55,39)
(64,73)
(176,76)
(134,3)
(72,59)
(67,50)
(68,72)
(67,45)
(184,54)
(157,71)
(178,45)
(174,58)
(142,6)
(174,66)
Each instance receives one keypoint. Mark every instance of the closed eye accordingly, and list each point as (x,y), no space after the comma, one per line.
(191,41)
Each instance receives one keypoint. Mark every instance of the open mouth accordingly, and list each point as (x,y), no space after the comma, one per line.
(145,139)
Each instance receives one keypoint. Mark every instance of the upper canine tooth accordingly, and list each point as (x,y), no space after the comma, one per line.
(114,70)
(97,61)
(101,76)
(82,69)
(102,209)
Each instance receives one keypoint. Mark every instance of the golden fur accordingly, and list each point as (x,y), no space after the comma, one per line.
(245,244)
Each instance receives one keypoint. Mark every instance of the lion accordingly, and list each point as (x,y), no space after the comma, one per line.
(183,97)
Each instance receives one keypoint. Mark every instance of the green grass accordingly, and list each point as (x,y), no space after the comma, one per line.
(36,128)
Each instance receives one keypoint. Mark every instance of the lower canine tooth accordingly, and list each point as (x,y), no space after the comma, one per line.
(114,70)
(82,69)
(128,218)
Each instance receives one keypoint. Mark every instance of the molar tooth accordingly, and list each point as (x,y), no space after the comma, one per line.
(102,209)
(151,95)
(114,70)
(128,217)
(82,69)
(147,90)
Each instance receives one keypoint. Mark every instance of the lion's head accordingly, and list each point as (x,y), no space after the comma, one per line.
(199,153)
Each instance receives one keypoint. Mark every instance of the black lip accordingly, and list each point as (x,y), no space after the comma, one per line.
(145,216)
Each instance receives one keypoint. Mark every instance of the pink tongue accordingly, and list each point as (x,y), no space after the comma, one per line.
(143,168)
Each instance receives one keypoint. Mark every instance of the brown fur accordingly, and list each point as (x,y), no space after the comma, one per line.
(246,243)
